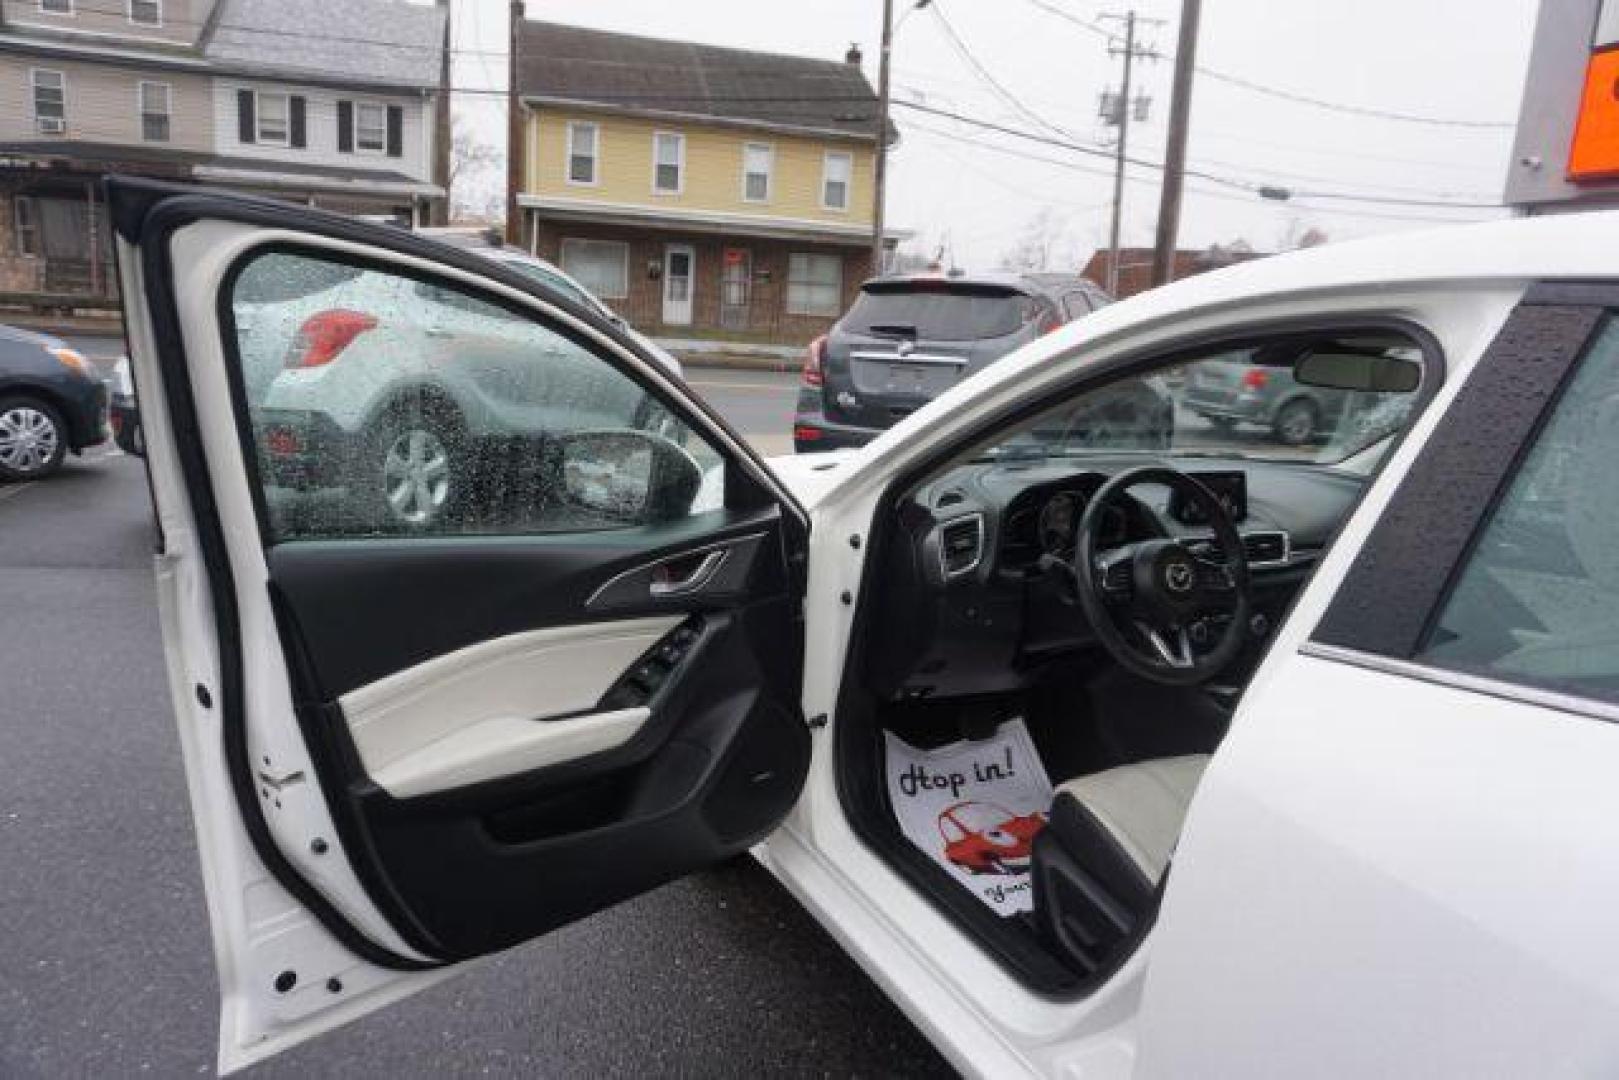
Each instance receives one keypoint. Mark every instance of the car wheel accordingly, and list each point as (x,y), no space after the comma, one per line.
(1295,422)
(33,439)
(412,476)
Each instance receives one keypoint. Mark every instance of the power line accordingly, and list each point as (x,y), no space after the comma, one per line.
(983,73)
(1206,192)
(1290,95)
(1226,181)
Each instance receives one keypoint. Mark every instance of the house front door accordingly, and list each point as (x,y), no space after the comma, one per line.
(679,264)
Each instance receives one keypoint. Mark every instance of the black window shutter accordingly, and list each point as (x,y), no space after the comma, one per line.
(396,131)
(345,127)
(300,130)
(246,131)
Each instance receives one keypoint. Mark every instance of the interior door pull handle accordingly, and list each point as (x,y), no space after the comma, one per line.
(665,583)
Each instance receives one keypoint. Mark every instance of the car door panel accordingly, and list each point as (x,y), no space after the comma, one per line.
(408,751)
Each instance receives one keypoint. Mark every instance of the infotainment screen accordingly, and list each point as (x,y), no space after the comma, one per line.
(1231,488)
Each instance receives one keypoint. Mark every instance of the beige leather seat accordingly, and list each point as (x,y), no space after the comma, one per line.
(1141,806)
(1098,863)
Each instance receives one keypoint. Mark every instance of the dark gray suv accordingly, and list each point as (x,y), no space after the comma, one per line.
(908,339)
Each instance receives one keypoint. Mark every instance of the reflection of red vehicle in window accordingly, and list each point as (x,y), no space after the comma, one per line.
(983,838)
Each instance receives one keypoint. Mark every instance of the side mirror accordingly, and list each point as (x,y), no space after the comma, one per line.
(1365,372)
(627,477)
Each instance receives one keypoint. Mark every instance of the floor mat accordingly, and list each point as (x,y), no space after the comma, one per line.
(974,808)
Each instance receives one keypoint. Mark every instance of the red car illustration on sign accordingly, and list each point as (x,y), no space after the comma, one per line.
(983,838)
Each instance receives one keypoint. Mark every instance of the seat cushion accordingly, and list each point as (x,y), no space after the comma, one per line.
(1138,808)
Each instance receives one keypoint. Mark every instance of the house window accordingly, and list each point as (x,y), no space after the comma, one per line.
(50,101)
(814,284)
(25,216)
(154,106)
(757,161)
(146,12)
(584,145)
(602,266)
(272,112)
(370,128)
(668,162)
(56,7)
(835,172)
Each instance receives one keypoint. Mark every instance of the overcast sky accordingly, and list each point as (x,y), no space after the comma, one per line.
(978,192)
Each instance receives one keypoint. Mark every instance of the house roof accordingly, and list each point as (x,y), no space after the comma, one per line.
(188,164)
(628,73)
(368,41)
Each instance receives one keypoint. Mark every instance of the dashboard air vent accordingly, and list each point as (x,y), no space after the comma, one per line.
(1265,548)
(950,497)
(961,545)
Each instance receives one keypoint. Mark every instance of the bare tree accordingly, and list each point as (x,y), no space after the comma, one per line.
(475,174)
(1035,247)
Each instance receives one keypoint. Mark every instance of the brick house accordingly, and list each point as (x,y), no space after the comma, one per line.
(325,102)
(1135,265)
(700,191)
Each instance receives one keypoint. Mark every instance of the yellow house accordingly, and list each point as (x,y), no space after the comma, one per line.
(698,189)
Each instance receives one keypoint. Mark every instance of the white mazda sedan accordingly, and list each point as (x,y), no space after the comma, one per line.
(1110,740)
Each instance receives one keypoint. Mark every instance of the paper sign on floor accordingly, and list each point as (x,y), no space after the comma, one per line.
(974,808)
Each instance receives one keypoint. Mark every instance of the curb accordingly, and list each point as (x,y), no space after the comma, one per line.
(738,362)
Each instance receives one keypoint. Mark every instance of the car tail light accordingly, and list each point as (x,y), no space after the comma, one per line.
(282,442)
(813,356)
(1255,378)
(1049,322)
(325,334)
(801,433)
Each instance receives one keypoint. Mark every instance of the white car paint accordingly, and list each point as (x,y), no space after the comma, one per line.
(1460,914)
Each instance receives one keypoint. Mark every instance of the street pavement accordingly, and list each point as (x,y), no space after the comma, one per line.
(105,958)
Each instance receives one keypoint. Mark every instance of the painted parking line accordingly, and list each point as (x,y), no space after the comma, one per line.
(13,492)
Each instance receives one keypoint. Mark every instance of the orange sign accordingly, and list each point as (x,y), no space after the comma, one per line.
(1595,152)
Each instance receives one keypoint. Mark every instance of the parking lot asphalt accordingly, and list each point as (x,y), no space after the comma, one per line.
(105,958)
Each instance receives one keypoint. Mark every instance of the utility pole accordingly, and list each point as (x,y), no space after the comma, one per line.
(1118,164)
(881,183)
(1180,117)
(440,214)
(514,128)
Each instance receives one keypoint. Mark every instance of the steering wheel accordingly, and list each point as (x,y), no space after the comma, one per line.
(1147,600)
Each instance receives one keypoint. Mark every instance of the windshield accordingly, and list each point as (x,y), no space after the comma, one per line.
(939,312)
(546,276)
(1241,403)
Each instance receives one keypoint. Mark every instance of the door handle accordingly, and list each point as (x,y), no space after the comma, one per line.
(667,581)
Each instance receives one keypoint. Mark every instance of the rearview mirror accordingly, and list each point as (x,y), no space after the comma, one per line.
(1364,372)
(627,477)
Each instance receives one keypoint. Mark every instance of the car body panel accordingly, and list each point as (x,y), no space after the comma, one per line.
(304,940)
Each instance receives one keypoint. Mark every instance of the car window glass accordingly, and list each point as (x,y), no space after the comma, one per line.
(1075,304)
(555,281)
(387,405)
(1534,601)
(940,313)
(1237,403)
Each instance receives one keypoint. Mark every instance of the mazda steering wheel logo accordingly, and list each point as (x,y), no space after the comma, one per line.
(1178,577)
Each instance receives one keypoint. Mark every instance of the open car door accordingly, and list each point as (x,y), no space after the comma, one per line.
(476,622)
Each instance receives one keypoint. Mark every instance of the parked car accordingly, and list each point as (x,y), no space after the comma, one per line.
(491,245)
(907,339)
(1246,389)
(1333,727)
(52,401)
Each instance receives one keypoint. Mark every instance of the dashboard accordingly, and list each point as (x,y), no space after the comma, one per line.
(972,608)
